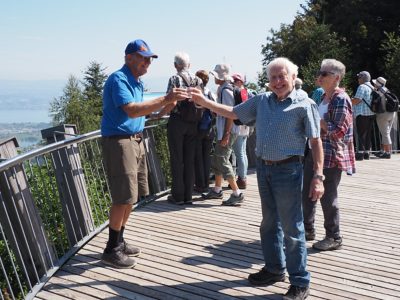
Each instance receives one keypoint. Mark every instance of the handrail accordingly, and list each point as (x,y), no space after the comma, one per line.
(66,180)
(47,149)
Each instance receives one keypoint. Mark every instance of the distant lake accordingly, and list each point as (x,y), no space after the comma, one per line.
(41,115)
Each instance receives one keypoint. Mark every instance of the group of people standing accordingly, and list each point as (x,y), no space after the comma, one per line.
(365,117)
(290,179)
(191,137)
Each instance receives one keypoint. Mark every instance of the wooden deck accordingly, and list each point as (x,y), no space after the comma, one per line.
(206,251)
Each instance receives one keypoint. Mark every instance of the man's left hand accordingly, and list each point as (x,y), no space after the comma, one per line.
(316,189)
(177,94)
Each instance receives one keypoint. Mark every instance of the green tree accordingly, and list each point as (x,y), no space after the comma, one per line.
(362,25)
(72,93)
(81,103)
(93,82)
(306,43)
(391,46)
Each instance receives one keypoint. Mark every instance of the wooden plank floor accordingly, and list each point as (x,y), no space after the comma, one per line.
(206,251)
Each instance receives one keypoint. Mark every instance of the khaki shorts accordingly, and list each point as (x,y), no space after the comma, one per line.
(126,168)
(220,163)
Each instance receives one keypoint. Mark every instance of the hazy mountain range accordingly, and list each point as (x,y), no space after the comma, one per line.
(29,94)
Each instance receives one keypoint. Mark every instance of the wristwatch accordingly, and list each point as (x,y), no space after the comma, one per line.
(320,177)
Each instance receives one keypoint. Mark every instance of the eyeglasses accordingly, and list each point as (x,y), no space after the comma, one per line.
(324,73)
(147,59)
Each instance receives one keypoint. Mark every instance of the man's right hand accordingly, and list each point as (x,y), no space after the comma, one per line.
(177,94)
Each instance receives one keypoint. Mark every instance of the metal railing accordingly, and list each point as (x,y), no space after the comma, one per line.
(52,201)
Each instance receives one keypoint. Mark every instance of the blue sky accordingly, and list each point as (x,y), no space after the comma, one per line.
(50,40)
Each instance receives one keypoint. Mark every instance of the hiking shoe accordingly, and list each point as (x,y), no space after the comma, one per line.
(130,250)
(297,293)
(212,195)
(172,200)
(359,156)
(241,183)
(118,259)
(234,200)
(386,155)
(328,244)
(366,155)
(310,235)
(263,277)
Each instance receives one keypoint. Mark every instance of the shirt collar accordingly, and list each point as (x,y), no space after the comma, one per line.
(294,97)
(125,69)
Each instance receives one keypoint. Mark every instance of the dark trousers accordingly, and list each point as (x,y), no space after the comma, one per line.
(329,201)
(364,131)
(202,163)
(182,145)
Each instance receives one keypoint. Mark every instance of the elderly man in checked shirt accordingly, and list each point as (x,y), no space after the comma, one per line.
(284,120)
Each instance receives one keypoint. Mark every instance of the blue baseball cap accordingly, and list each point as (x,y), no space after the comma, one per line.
(139,46)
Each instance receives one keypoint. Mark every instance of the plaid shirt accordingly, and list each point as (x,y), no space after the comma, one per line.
(176,81)
(363,92)
(338,142)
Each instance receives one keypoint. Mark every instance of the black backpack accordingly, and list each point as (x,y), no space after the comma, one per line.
(383,102)
(237,95)
(377,103)
(392,102)
(188,111)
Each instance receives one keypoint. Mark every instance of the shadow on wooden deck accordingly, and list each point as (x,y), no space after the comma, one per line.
(206,251)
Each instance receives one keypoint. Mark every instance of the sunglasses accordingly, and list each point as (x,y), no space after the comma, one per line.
(324,73)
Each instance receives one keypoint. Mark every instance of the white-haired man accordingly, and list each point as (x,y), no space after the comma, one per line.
(284,120)
(363,115)
(182,132)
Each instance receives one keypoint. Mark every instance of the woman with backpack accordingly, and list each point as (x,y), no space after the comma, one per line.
(384,120)
(204,141)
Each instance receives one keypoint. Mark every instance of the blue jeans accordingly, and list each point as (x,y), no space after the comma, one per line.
(282,220)
(239,147)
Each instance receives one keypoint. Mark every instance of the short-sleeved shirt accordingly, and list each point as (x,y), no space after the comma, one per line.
(363,92)
(177,81)
(282,127)
(121,88)
(224,96)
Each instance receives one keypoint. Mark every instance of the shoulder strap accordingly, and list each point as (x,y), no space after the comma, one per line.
(227,87)
(369,106)
(184,79)
(372,89)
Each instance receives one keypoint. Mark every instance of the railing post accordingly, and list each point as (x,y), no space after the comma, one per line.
(156,176)
(71,184)
(20,218)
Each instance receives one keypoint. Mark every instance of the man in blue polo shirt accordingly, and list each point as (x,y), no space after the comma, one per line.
(284,119)
(123,151)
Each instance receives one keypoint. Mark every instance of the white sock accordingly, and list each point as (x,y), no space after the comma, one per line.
(237,192)
(217,189)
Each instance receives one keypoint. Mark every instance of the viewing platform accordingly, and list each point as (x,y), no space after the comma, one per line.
(206,251)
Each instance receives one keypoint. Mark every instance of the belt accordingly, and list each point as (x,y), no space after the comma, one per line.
(294,158)
(137,136)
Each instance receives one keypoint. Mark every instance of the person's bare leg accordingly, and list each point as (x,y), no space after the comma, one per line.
(218,181)
(232,183)
(118,215)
